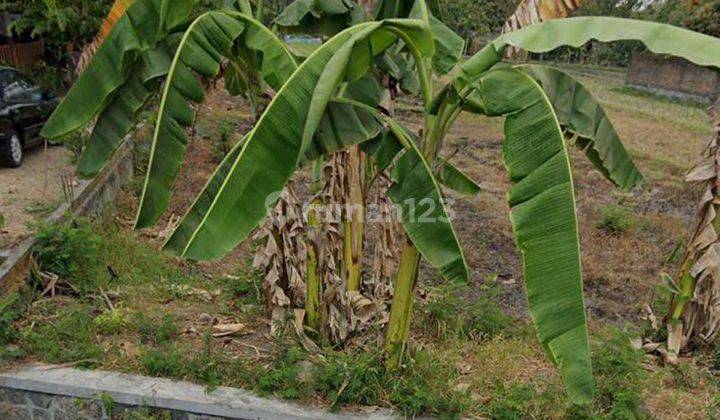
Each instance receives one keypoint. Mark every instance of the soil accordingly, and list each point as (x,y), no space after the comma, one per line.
(31,191)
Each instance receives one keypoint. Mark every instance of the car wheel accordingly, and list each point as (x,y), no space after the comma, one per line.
(11,153)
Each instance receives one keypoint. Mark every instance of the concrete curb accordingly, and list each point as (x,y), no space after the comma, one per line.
(178,396)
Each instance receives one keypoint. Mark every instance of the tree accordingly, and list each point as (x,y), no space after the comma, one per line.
(540,106)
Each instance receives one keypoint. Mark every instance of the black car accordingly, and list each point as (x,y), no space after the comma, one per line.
(24,108)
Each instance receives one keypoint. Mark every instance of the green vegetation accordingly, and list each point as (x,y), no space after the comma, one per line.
(615,219)
(449,315)
(72,251)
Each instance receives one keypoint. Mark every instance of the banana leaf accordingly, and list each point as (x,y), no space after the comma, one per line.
(211,38)
(144,25)
(121,113)
(454,179)
(285,131)
(543,216)
(320,17)
(581,115)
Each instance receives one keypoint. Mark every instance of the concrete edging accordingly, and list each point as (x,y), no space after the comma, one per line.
(177,396)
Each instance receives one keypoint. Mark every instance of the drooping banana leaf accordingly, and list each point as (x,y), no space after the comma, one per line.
(284,132)
(449,46)
(121,113)
(143,26)
(356,124)
(580,114)
(418,197)
(116,12)
(543,216)
(320,17)
(658,37)
(209,39)
(547,36)
(414,191)
(454,179)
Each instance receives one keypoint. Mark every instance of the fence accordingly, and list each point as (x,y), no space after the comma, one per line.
(21,54)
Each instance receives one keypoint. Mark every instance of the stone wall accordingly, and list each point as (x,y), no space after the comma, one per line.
(27,405)
(671,76)
(39,392)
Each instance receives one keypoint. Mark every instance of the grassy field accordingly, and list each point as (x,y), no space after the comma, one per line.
(473,353)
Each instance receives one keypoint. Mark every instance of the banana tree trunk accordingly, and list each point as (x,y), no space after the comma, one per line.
(693,316)
(354,224)
(398,329)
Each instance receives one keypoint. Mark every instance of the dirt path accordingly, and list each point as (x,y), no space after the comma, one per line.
(24,194)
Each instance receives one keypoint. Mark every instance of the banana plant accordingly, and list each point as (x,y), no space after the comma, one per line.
(543,108)
(540,105)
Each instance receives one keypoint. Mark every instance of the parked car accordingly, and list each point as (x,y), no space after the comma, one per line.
(24,108)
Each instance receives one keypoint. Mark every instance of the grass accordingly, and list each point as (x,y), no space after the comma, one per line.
(615,219)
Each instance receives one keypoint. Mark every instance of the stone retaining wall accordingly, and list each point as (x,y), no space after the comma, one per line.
(40,392)
(672,76)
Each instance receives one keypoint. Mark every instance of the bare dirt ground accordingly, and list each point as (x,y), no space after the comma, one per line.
(31,191)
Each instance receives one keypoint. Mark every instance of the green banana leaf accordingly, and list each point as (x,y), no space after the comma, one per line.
(284,132)
(208,40)
(121,113)
(580,114)
(657,37)
(418,197)
(543,216)
(145,24)
(320,17)
(449,46)
(454,179)
(414,191)
(357,126)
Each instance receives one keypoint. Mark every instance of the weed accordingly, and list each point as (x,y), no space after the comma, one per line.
(511,402)
(717,356)
(423,387)
(111,322)
(10,311)
(686,376)
(450,316)
(615,219)
(619,377)
(71,338)
(2,220)
(72,251)
(282,378)
(153,332)
(246,288)
(166,362)
(351,379)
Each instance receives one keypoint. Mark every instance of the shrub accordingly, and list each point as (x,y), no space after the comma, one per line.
(71,250)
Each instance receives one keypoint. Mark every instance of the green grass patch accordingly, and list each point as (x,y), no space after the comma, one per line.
(641,93)
(71,337)
(449,315)
(615,219)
